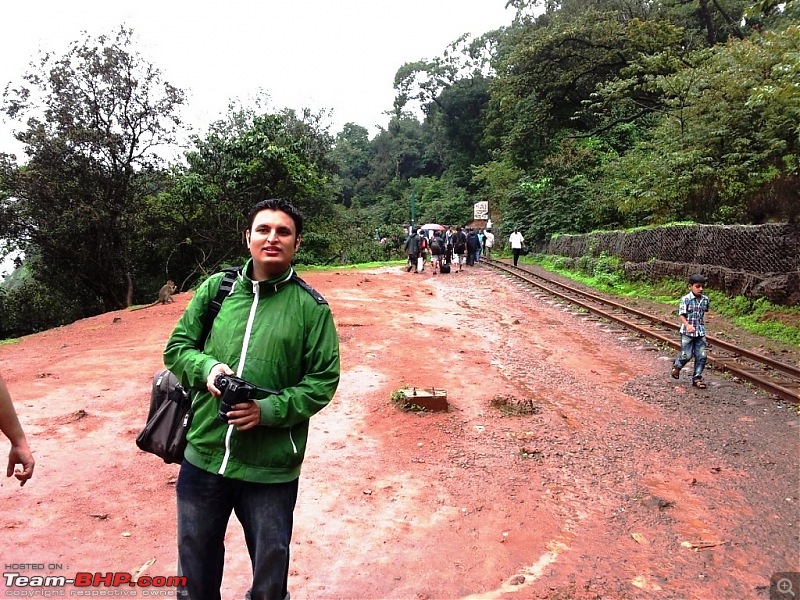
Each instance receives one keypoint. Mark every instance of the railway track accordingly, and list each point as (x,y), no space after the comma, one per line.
(764,372)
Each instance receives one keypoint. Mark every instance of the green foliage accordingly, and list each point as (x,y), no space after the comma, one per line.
(726,149)
(554,67)
(586,117)
(439,200)
(759,316)
(350,154)
(244,159)
(457,117)
(93,117)
(32,307)
(400,401)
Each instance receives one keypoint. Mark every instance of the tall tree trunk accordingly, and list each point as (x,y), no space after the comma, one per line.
(705,13)
(129,295)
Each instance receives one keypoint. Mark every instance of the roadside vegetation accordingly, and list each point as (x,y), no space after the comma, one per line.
(759,316)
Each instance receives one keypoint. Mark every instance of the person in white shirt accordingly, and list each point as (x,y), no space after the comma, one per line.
(488,243)
(517,242)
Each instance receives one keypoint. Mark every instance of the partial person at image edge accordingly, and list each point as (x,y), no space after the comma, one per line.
(20,453)
(276,332)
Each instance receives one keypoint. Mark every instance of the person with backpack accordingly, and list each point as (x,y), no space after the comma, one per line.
(473,245)
(460,248)
(276,332)
(448,245)
(437,251)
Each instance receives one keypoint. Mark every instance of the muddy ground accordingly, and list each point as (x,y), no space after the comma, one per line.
(569,466)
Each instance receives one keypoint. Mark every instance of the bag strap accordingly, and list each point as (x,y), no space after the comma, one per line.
(225,287)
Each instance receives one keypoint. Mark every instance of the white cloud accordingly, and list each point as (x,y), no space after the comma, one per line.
(319,54)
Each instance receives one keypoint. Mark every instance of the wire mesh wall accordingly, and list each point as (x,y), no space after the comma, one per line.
(753,260)
(771,248)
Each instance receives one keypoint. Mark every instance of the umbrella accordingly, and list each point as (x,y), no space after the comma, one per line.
(433,226)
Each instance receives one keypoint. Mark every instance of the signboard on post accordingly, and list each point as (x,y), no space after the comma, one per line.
(480,210)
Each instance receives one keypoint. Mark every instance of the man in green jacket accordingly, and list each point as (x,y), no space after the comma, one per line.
(275,332)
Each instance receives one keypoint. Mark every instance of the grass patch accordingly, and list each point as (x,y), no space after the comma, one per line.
(339,267)
(759,317)
(400,400)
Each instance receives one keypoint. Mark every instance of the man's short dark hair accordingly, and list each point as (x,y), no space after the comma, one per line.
(697,278)
(277,204)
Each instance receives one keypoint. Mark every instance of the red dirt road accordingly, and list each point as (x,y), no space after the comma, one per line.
(593,493)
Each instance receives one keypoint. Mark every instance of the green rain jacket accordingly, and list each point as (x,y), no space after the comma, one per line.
(278,334)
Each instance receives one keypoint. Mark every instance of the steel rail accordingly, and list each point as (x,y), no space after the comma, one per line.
(787,391)
(784,368)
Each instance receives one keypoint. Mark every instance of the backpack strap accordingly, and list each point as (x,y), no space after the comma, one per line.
(225,287)
(314,293)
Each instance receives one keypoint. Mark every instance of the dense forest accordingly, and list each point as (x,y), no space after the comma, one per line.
(579,115)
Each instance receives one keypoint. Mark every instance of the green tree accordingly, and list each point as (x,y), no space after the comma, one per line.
(95,117)
(553,67)
(351,154)
(245,158)
(726,150)
(440,200)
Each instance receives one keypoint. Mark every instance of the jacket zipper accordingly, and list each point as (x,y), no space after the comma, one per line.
(248,330)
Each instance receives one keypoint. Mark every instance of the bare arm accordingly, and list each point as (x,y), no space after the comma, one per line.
(19,454)
(689,327)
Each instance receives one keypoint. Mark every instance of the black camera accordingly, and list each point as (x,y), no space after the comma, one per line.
(236,391)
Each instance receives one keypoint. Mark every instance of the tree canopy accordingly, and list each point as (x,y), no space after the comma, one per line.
(95,118)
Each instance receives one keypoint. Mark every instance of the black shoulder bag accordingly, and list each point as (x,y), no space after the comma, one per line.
(170,415)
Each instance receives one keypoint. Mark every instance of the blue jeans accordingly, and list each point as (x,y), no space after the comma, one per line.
(205,503)
(693,346)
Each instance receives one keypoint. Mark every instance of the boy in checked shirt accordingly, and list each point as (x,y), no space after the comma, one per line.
(691,312)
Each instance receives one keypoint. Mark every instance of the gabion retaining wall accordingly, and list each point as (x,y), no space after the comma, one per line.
(751,260)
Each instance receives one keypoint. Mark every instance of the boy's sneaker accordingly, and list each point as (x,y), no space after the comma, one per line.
(676,373)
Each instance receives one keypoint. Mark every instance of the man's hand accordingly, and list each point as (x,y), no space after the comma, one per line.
(245,415)
(216,370)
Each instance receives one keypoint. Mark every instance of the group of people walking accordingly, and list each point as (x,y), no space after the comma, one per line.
(453,246)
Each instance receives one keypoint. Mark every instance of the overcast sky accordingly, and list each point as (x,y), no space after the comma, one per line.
(321,54)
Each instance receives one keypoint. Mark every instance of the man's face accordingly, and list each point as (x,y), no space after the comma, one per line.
(273,240)
(697,289)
